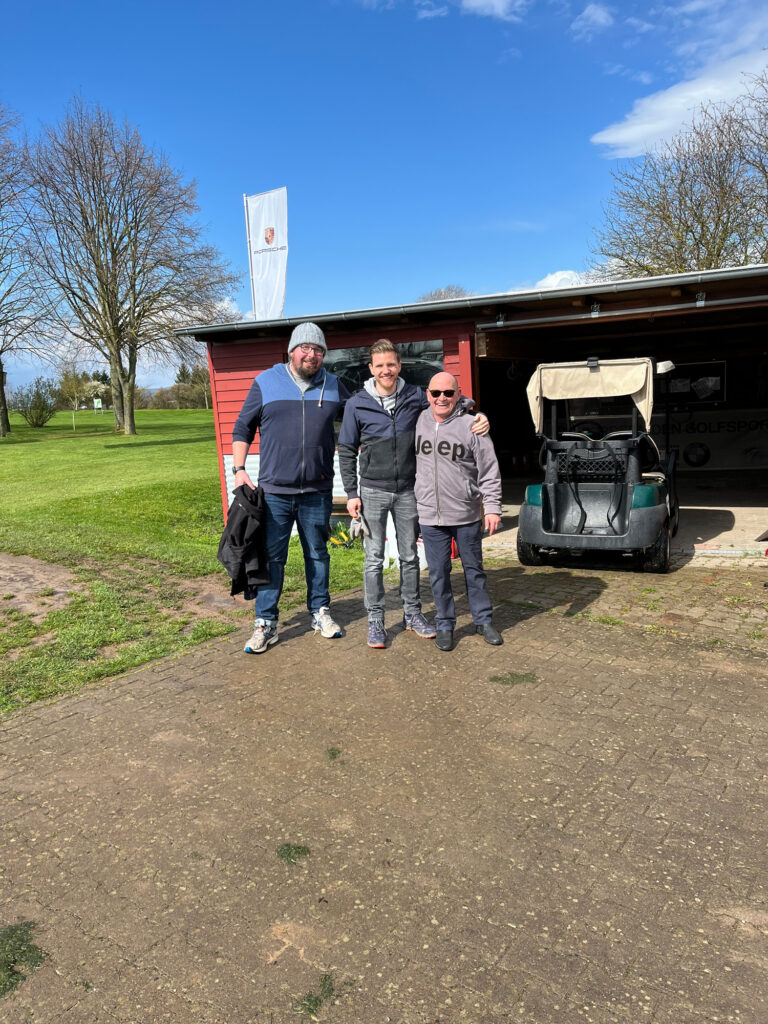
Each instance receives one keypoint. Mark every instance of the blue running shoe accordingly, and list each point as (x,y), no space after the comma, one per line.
(377,636)
(419,625)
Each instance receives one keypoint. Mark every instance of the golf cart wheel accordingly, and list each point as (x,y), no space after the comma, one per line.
(528,554)
(675,519)
(656,557)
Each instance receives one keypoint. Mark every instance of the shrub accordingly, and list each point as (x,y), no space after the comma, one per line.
(35,402)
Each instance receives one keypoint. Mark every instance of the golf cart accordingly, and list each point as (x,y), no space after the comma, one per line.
(604,489)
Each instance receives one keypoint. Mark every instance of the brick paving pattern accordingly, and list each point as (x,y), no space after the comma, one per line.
(570,828)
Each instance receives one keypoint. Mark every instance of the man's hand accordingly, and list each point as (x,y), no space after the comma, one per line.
(353,507)
(492,523)
(480,424)
(241,477)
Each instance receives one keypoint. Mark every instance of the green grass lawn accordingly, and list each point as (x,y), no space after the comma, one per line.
(134,518)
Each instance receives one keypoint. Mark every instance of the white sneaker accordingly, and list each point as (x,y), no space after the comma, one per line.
(322,621)
(263,637)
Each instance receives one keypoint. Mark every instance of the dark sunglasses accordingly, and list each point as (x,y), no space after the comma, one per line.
(448,394)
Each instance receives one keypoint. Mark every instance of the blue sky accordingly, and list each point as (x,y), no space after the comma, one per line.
(422,142)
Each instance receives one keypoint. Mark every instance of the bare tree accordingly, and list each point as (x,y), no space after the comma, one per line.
(76,387)
(451,291)
(118,247)
(752,111)
(698,201)
(19,309)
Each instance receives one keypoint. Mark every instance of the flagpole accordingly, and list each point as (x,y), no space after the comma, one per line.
(285,275)
(250,256)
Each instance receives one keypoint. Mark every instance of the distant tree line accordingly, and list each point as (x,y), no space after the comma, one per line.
(75,391)
(190,390)
(100,251)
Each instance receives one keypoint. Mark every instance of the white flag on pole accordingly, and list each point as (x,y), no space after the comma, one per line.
(266,221)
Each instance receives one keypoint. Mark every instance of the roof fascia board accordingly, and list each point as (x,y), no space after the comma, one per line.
(743,302)
(470,303)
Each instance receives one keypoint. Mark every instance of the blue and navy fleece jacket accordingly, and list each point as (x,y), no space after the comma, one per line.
(296,434)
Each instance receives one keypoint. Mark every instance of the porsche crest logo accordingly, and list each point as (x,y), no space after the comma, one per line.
(269,236)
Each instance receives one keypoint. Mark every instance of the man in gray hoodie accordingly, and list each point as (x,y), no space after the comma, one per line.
(457,483)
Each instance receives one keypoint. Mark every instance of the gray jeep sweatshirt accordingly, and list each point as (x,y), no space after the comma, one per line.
(457,473)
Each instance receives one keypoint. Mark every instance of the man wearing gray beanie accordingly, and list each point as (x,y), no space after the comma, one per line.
(307,334)
(293,405)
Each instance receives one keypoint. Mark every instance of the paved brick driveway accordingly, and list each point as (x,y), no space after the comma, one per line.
(570,828)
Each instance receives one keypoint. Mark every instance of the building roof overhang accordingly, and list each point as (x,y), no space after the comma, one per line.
(629,299)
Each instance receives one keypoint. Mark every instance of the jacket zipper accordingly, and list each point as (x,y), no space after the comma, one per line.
(394,441)
(303,441)
(437,485)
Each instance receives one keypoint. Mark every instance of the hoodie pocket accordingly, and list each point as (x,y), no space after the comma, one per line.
(473,492)
(424,492)
(315,465)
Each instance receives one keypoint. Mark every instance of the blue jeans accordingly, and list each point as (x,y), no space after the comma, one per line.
(377,504)
(469,541)
(311,513)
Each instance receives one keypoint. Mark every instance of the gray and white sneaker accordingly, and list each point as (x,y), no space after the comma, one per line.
(263,637)
(324,623)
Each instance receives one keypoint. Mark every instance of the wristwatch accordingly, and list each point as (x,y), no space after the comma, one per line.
(236,469)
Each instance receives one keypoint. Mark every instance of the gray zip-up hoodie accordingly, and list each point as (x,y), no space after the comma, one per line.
(457,473)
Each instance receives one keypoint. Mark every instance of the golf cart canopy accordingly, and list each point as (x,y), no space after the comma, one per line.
(593,378)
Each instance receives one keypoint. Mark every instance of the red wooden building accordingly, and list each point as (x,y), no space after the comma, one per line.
(712,324)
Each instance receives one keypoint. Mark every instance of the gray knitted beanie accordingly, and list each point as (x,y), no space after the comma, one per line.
(307,334)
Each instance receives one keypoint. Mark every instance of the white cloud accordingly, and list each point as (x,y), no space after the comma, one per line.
(662,114)
(639,26)
(560,279)
(505,10)
(229,311)
(427,9)
(511,53)
(593,19)
(705,32)
(701,6)
(644,77)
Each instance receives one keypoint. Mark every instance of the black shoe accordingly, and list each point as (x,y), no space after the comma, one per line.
(490,635)
(444,640)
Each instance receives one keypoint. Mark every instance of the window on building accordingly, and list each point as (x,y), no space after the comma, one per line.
(421,361)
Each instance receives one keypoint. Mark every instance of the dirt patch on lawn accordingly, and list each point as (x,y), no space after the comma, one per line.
(208,597)
(35,588)
(210,593)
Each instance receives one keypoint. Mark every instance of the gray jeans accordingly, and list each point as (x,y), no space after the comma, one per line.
(377,504)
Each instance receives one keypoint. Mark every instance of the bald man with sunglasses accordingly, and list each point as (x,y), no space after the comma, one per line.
(458,493)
